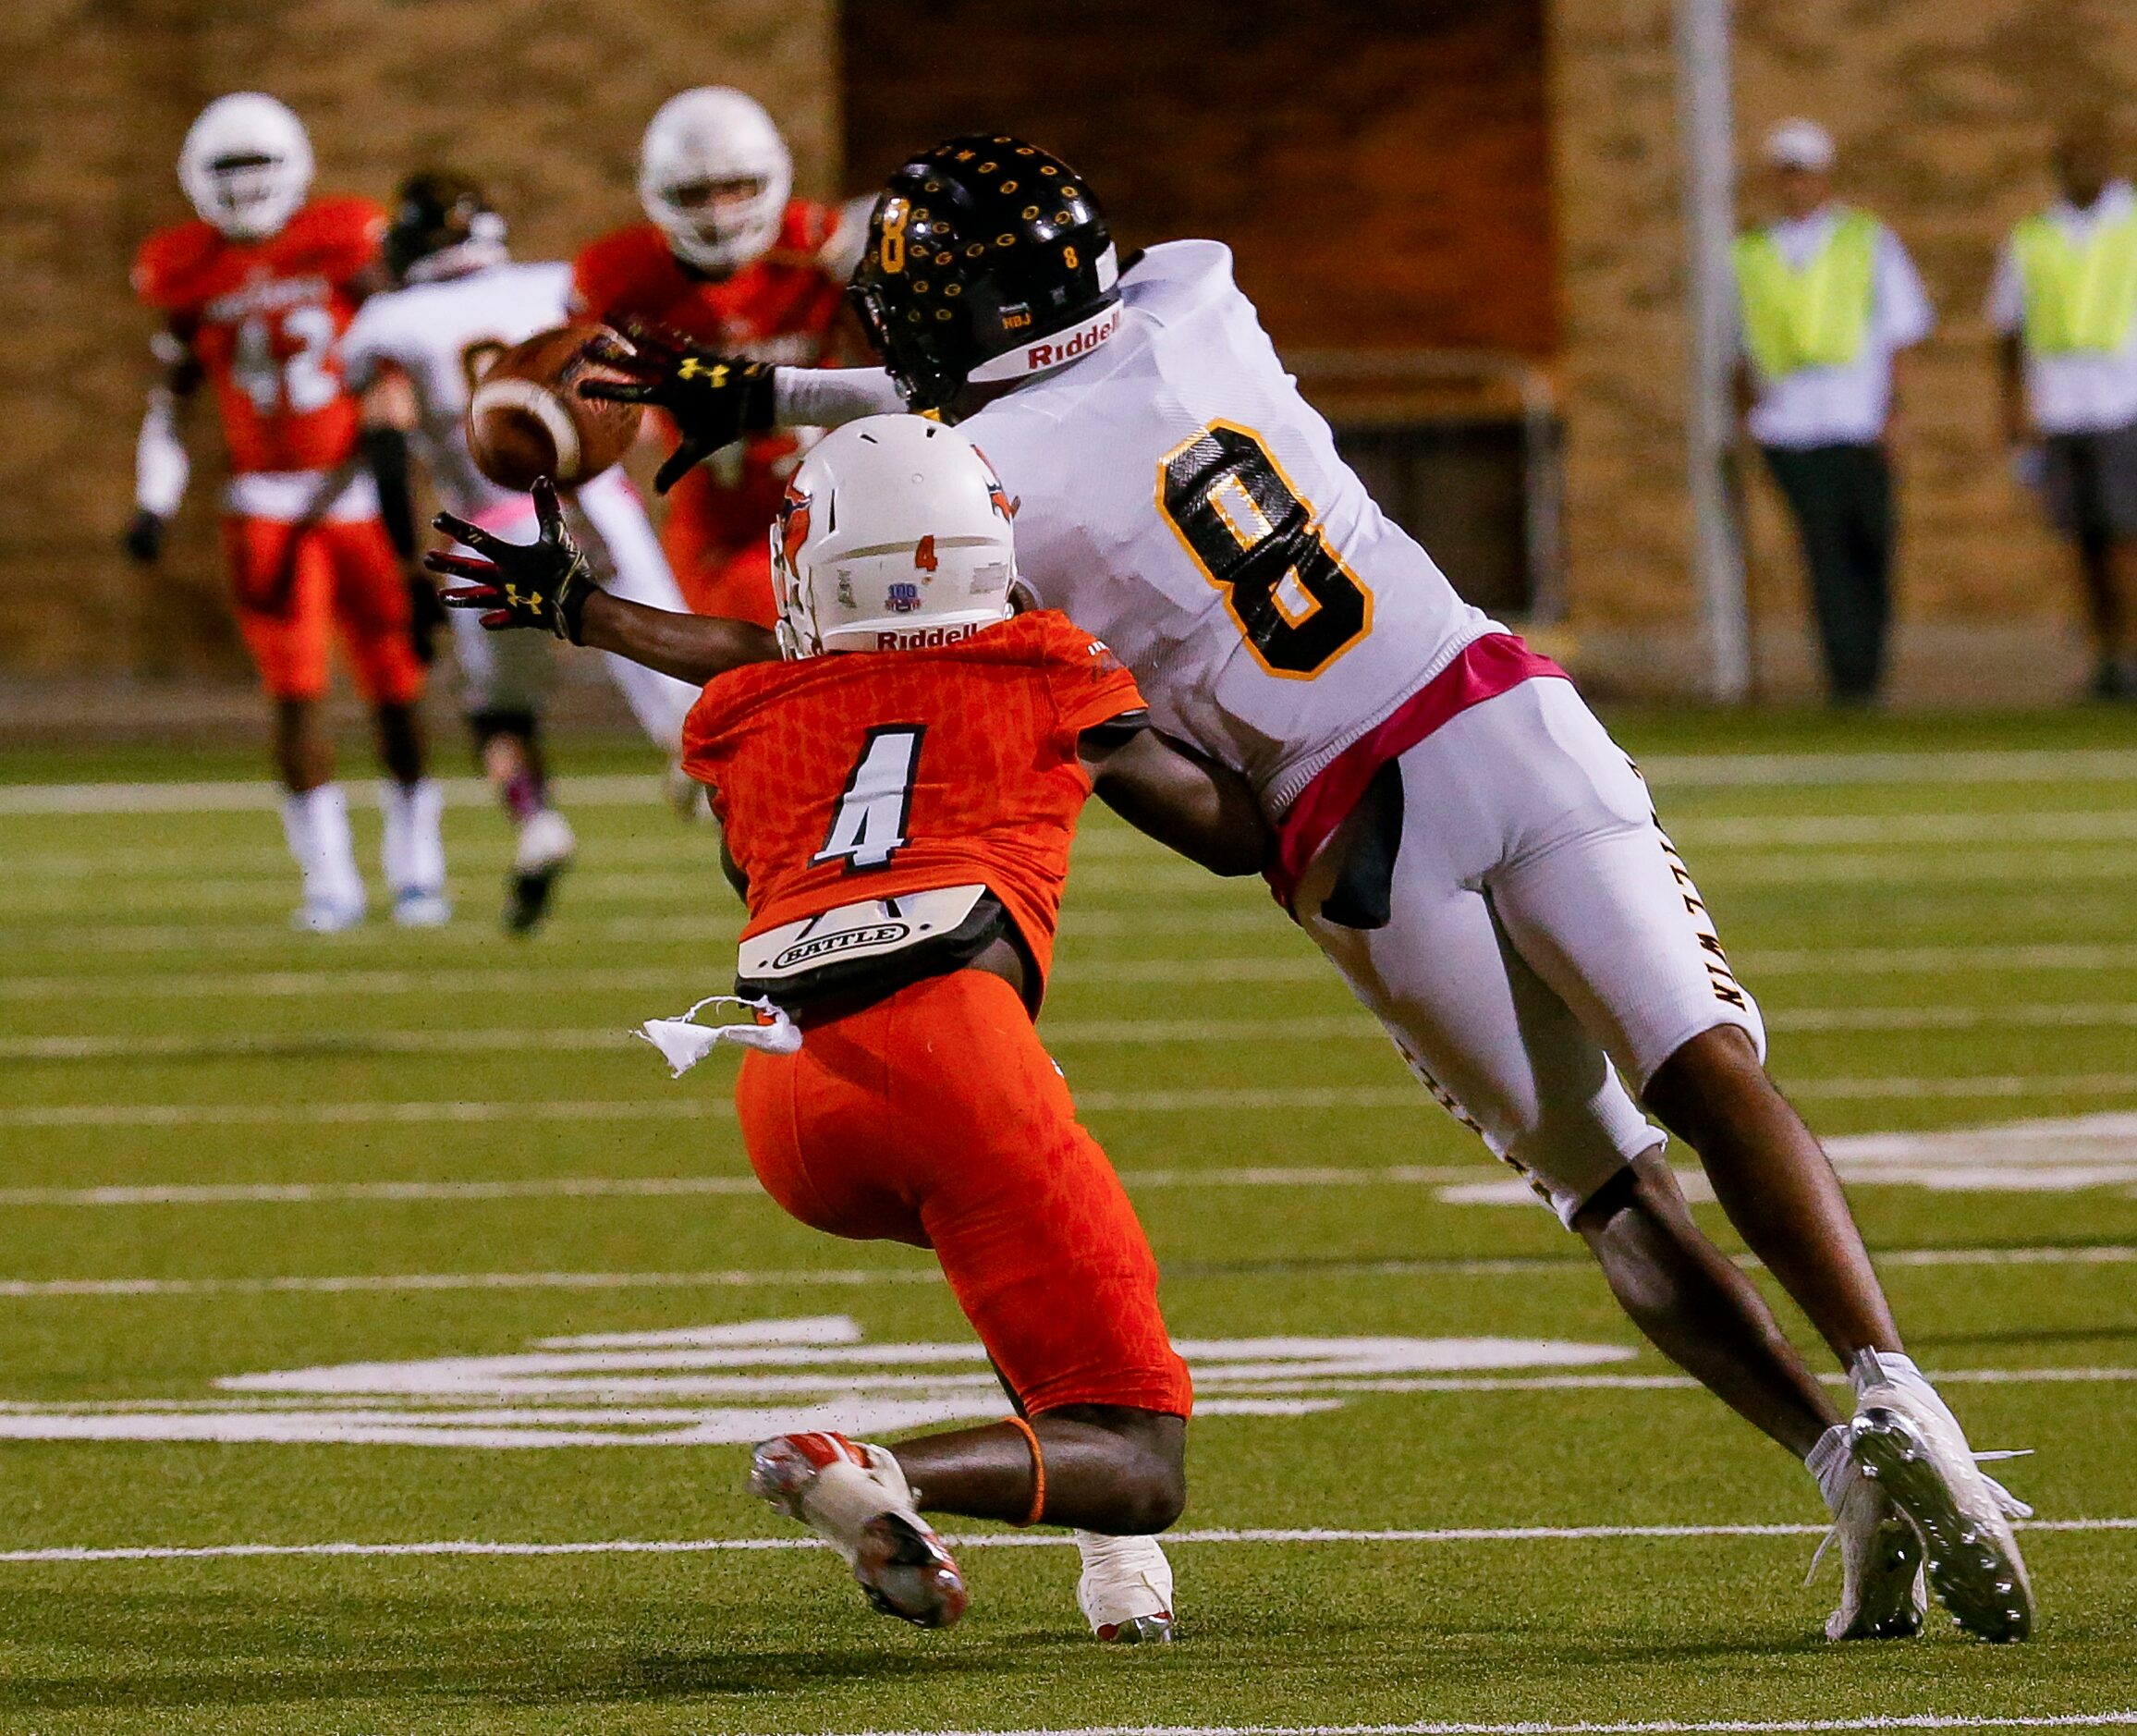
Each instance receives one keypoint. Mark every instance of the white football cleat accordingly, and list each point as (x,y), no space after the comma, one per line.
(543,852)
(854,1497)
(1905,1437)
(324,916)
(1126,1589)
(414,906)
(1881,1590)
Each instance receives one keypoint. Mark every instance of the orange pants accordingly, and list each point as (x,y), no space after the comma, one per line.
(344,574)
(935,1118)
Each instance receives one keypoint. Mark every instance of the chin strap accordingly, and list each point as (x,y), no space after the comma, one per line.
(683,1044)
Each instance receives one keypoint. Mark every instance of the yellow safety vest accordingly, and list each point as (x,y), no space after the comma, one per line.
(1816,317)
(2079,295)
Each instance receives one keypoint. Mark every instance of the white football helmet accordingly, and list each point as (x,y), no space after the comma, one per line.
(699,141)
(893,535)
(246,164)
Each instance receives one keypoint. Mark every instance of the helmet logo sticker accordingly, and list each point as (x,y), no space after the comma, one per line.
(794,515)
(902,597)
(895,215)
(924,558)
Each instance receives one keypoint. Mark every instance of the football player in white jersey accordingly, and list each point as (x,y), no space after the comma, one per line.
(1458,834)
(416,353)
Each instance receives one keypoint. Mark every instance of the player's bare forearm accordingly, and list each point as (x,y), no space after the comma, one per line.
(1206,812)
(693,648)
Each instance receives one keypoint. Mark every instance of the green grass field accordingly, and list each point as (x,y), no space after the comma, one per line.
(239,1161)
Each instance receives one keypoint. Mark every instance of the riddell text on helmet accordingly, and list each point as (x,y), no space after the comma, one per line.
(924,638)
(1052,352)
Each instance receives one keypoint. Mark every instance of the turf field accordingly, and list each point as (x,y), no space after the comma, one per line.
(379,1324)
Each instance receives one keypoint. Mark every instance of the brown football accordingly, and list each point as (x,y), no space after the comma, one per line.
(525,419)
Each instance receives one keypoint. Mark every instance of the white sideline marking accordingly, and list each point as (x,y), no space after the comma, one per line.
(21,1288)
(1222,1535)
(362,1281)
(1356,1027)
(680,978)
(1994,765)
(1689,771)
(2027,827)
(1188,1100)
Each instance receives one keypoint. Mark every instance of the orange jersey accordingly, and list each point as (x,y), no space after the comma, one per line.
(779,308)
(866,774)
(264,319)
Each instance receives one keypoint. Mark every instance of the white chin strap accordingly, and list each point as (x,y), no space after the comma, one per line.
(1038,355)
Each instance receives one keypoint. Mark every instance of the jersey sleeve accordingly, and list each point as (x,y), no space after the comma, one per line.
(1089,685)
(161,267)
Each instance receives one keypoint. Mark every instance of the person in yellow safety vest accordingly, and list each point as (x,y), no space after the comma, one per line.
(1827,299)
(2065,305)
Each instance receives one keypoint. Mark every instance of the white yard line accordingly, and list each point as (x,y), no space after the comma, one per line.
(1059,1033)
(1767,771)
(1216,1536)
(1702,771)
(2026,827)
(1530,1727)
(551,983)
(1191,1100)
(359,1283)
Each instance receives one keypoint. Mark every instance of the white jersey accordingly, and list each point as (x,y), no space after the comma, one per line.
(1182,501)
(442,336)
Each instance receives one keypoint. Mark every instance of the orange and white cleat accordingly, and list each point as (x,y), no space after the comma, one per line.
(854,1497)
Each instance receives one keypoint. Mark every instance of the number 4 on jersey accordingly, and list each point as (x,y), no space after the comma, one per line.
(867,826)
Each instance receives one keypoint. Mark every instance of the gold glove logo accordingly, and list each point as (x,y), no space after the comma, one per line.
(516,598)
(694,369)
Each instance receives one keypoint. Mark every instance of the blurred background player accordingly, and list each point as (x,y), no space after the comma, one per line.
(415,354)
(258,292)
(1827,298)
(2065,300)
(728,258)
(899,796)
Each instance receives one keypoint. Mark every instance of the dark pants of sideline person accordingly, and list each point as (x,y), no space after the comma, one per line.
(1841,496)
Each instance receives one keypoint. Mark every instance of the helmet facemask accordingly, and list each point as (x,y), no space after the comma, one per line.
(715,176)
(246,165)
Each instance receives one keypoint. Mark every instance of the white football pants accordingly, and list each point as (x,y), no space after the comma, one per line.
(1545,943)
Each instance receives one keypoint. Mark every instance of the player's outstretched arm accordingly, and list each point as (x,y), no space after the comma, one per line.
(715,399)
(549,584)
(1206,812)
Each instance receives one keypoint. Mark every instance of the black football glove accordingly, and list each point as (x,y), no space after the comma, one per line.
(715,400)
(144,536)
(545,584)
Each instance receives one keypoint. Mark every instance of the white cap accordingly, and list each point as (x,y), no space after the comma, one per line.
(1800,144)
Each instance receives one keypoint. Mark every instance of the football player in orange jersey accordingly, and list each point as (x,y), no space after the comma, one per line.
(257,292)
(727,257)
(900,795)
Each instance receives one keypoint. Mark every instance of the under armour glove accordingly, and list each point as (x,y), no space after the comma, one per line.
(545,584)
(144,536)
(715,400)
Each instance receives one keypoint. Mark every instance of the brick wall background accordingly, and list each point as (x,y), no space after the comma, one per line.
(1943,116)
(1382,171)
(1498,173)
(544,98)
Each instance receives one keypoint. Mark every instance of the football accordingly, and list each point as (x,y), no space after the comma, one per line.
(526,418)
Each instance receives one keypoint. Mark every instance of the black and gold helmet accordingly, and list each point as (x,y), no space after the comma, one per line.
(443,225)
(987,260)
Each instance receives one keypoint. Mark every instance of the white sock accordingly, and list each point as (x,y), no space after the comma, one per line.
(316,823)
(1832,1461)
(413,852)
